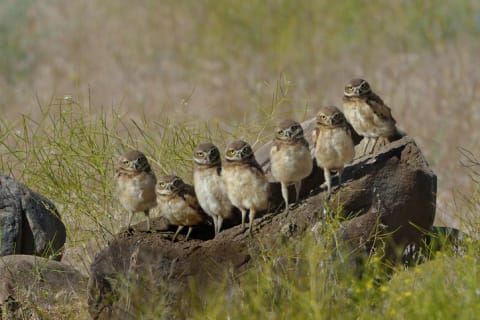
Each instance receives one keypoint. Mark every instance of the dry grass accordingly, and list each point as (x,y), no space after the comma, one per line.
(163,75)
(218,62)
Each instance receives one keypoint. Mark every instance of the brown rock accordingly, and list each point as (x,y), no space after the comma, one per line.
(30,280)
(394,189)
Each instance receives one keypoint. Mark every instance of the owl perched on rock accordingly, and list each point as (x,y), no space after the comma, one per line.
(247,186)
(178,203)
(333,142)
(135,184)
(368,114)
(290,157)
(209,184)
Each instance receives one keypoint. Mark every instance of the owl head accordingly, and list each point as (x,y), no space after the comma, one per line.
(357,88)
(288,130)
(206,154)
(330,116)
(133,161)
(168,185)
(239,151)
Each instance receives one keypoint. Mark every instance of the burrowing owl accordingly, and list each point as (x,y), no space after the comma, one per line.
(247,186)
(135,184)
(368,114)
(290,157)
(332,142)
(209,184)
(178,203)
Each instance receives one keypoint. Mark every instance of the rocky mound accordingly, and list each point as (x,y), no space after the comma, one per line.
(394,189)
(33,286)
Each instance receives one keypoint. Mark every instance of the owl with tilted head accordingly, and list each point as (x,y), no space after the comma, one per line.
(178,203)
(135,184)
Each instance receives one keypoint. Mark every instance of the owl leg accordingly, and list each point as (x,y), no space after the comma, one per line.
(148,219)
(285,196)
(219,224)
(375,141)
(250,218)
(176,233)
(129,219)
(340,172)
(365,146)
(328,179)
(298,186)
(188,233)
(215,224)
(244,215)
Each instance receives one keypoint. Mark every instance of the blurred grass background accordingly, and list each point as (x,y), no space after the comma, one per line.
(164,75)
(239,66)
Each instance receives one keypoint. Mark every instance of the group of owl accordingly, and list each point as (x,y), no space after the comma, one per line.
(240,182)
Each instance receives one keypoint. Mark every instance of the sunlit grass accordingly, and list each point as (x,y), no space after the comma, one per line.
(301,281)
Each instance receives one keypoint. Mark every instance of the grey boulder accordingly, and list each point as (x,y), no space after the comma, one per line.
(29,222)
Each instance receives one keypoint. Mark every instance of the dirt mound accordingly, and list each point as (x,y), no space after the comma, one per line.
(394,188)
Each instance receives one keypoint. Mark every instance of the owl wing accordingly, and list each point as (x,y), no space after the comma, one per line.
(274,146)
(188,194)
(255,167)
(379,107)
(305,143)
(353,134)
(315,133)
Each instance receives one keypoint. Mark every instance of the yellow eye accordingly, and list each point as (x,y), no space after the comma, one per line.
(230,152)
(162,184)
(199,154)
(349,89)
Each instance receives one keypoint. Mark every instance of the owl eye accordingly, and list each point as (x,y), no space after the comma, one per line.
(162,184)
(177,183)
(281,132)
(349,89)
(247,150)
(230,152)
(364,85)
(337,118)
(199,154)
(125,162)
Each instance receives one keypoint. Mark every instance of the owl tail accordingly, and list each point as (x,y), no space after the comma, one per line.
(398,134)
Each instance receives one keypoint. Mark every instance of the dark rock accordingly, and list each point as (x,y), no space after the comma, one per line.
(392,192)
(29,222)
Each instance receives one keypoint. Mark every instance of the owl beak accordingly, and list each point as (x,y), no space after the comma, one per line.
(135,164)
